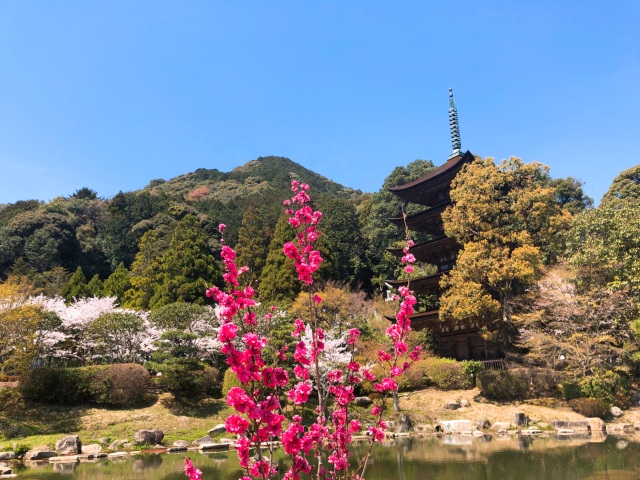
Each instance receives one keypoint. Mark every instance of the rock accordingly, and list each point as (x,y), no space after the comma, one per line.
(129,445)
(363,401)
(452,405)
(104,441)
(181,443)
(483,424)
(622,444)
(619,428)
(69,445)
(502,431)
(519,419)
(39,454)
(115,445)
(531,431)
(214,446)
(176,449)
(226,440)
(220,428)
(404,424)
(206,440)
(497,426)
(64,459)
(454,426)
(7,455)
(5,469)
(425,428)
(92,448)
(616,412)
(148,437)
(597,424)
(464,403)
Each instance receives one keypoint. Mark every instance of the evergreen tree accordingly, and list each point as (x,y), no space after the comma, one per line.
(95,286)
(279,282)
(187,268)
(117,284)
(253,242)
(625,189)
(77,287)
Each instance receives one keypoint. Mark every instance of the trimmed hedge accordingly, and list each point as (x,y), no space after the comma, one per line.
(590,407)
(448,374)
(501,385)
(121,384)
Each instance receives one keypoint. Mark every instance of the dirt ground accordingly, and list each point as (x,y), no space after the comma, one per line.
(427,406)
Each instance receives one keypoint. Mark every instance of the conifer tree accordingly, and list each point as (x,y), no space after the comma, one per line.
(117,284)
(278,282)
(95,286)
(253,242)
(77,287)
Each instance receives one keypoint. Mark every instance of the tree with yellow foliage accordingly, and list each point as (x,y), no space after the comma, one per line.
(19,323)
(509,223)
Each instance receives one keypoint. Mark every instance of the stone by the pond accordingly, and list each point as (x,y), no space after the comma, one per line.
(576,425)
(616,412)
(7,455)
(519,419)
(129,445)
(619,428)
(531,431)
(203,440)
(404,424)
(69,445)
(92,448)
(363,401)
(464,403)
(451,405)
(116,444)
(176,449)
(226,440)
(220,428)
(214,446)
(455,426)
(104,441)
(38,454)
(5,469)
(483,424)
(148,437)
(497,426)
(181,443)
(597,424)
(64,459)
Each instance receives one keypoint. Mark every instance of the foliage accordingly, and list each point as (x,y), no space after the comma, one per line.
(229,381)
(624,191)
(501,385)
(77,287)
(117,284)
(118,336)
(253,241)
(278,282)
(447,374)
(508,221)
(590,407)
(608,385)
(121,385)
(64,386)
(570,196)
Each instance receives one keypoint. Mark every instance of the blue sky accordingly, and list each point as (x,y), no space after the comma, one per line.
(110,95)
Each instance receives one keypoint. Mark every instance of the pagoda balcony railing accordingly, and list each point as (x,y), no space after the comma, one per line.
(497,364)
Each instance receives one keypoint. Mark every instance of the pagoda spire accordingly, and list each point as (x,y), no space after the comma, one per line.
(455,127)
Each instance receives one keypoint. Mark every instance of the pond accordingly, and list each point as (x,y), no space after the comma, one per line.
(446,458)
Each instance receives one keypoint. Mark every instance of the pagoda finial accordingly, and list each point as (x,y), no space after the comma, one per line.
(455,127)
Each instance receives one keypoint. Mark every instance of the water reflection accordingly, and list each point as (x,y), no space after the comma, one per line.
(408,458)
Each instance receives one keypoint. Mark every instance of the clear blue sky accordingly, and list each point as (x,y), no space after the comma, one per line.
(110,95)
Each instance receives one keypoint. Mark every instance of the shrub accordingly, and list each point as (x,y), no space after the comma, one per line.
(183,377)
(121,384)
(571,390)
(66,386)
(539,381)
(607,385)
(229,381)
(590,407)
(413,378)
(447,374)
(501,385)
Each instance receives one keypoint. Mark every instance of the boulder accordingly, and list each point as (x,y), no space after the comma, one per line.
(7,455)
(104,441)
(483,424)
(226,440)
(38,454)
(116,444)
(451,405)
(181,443)
(404,424)
(69,445)
(363,401)
(616,412)
(206,440)
(220,428)
(5,469)
(497,426)
(519,419)
(176,449)
(576,425)
(597,424)
(148,437)
(620,428)
(464,403)
(93,448)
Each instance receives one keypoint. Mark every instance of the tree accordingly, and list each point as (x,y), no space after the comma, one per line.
(77,287)
(117,284)
(570,195)
(625,189)
(507,220)
(253,241)
(378,232)
(278,282)
(187,268)
(19,323)
(95,286)
(118,336)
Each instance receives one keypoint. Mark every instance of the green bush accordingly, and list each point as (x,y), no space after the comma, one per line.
(590,407)
(229,381)
(447,374)
(607,385)
(501,385)
(571,390)
(121,384)
(412,378)
(540,382)
(184,377)
(65,386)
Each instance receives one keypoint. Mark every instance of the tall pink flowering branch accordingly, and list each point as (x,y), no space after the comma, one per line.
(260,415)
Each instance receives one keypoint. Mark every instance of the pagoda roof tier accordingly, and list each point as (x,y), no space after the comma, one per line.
(434,186)
(432,251)
(441,328)
(427,221)
(429,285)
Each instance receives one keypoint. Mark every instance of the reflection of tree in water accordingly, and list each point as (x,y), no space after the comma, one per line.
(146,462)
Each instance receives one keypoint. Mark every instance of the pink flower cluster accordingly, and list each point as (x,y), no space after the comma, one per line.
(259,418)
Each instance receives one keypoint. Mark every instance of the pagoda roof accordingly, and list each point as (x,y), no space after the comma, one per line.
(424,189)
(441,328)
(428,221)
(425,251)
(429,283)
